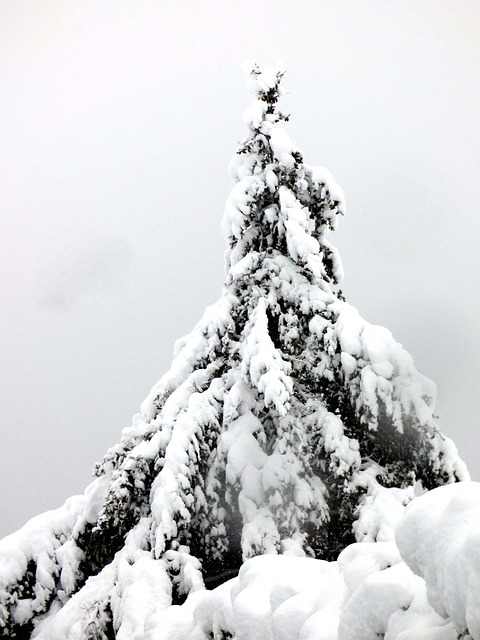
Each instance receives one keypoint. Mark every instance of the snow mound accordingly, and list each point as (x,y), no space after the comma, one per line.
(439,539)
(369,593)
(426,588)
(276,596)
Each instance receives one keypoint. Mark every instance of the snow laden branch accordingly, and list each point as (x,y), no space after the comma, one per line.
(262,364)
(286,430)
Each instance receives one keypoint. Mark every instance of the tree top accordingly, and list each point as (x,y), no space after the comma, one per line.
(279,204)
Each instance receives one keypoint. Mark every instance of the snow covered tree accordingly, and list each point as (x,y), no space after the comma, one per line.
(286,424)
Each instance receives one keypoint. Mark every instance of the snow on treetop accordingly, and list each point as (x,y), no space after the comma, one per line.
(279,202)
(263,79)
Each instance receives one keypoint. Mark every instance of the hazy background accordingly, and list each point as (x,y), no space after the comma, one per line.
(118,120)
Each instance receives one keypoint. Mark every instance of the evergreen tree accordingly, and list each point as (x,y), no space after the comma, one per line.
(286,424)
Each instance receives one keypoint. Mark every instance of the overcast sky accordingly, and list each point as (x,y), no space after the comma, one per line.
(118,122)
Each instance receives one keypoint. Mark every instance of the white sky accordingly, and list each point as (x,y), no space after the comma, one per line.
(118,121)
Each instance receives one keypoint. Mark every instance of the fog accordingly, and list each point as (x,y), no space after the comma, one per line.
(118,122)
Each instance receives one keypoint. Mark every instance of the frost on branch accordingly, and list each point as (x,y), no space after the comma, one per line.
(286,425)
